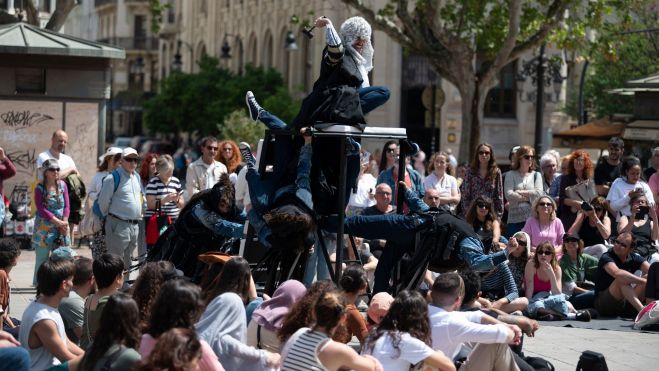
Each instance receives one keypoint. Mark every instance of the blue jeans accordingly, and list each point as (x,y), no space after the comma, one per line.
(543,300)
(271,121)
(316,263)
(373,97)
(14,359)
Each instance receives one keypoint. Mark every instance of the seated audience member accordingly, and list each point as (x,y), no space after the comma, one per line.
(268,318)
(543,225)
(354,283)
(178,304)
(403,338)
(542,281)
(519,257)
(148,284)
(451,329)
(652,286)
(9,253)
(13,357)
(642,224)
(311,348)
(383,196)
(301,313)
(619,196)
(109,276)
(482,217)
(72,308)
(116,349)
(577,186)
(177,349)
(42,330)
(615,281)
(594,227)
(235,277)
(431,198)
(378,308)
(577,268)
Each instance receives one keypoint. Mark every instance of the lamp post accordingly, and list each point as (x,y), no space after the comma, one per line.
(543,73)
(177,64)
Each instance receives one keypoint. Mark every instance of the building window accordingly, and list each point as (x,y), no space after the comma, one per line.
(4,4)
(501,99)
(30,80)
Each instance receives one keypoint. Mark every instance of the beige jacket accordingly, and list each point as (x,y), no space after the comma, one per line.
(195,179)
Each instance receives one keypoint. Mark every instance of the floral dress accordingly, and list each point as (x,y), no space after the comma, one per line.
(474,185)
(46,234)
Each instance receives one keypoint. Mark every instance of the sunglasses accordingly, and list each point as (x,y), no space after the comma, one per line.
(528,157)
(481,205)
(132,159)
(545,253)
(483,153)
(391,150)
(212,148)
(545,204)
(54,169)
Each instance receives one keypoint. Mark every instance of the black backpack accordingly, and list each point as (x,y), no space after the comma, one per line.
(592,361)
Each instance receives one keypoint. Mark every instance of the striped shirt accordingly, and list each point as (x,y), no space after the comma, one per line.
(158,189)
(301,351)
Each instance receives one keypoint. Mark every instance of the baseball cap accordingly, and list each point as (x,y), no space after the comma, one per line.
(63,253)
(379,306)
(110,152)
(129,152)
(571,237)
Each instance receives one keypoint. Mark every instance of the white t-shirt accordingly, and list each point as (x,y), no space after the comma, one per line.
(444,186)
(40,358)
(618,196)
(65,161)
(412,351)
(361,197)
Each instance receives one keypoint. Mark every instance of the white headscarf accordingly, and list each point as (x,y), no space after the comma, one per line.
(357,28)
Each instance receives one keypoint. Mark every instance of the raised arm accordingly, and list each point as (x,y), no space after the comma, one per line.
(335,49)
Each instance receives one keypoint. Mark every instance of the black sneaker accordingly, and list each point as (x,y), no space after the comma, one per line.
(253,106)
(246,152)
(583,315)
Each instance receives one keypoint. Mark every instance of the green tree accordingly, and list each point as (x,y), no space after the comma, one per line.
(240,128)
(452,34)
(197,103)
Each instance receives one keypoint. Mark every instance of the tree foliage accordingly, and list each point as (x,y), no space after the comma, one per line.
(197,103)
(453,34)
(240,128)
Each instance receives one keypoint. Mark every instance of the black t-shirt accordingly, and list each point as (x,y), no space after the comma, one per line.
(605,173)
(603,279)
(648,172)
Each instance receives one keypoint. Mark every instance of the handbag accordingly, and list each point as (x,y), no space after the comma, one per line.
(584,191)
(157,224)
(90,223)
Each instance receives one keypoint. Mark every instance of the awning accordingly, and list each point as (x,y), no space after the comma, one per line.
(647,130)
(602,128)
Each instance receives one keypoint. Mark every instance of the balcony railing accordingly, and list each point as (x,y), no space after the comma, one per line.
(105,2)
(133,43)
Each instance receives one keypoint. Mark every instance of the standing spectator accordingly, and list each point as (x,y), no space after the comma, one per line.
(9,253)
(51,226)
(229,155)
(108,274)
(615,281)
(523,185)
(621,189)
(482,178)
(42,329)
(403,338)
(608,167)
(148,168)
(205,172)
(412,178)
(419,163)
(178,349)
(554,188)
(388,157)
(163,191)
(451,328)
(642,224)
(576,186)
(116,349)
(72,307)
(654,164)
(549,167)
(123,207)
(58,144)
(110,160)
(364,195)
(544,226)
(440,178)
(7,170)
(594,227)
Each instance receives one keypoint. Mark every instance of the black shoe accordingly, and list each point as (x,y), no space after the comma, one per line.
(253,106)
(583,316)
(246,152)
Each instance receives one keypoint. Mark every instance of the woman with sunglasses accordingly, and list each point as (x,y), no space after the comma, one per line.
(388,158)
(482,217)
(642,224)
(522,186)
(51,225)
(518,258)
(593,225)
(578,268)
(543,225)
(440,179)
(577,186)
(543,288)
(482,178)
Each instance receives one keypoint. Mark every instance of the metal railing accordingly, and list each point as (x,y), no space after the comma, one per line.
(132,43)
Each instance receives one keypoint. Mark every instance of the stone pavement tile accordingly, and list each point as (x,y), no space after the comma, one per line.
(624,351)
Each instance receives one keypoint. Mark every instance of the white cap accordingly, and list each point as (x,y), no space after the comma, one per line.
(110,152)
(128,152)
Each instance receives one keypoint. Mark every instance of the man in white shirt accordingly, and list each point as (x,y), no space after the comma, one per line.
(451,329)
(58,144)
(206,171)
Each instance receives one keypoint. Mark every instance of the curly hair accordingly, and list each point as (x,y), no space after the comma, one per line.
(588,166)
(289,229)
(9,250)
(301,313)
(431,163)
(147,286)
(490,217)
(329,309)
(545,246)
(521,152)
(492,168)
(178,349)
(118,324)
(235,160)
(235,277)
(178,304)
(408,313)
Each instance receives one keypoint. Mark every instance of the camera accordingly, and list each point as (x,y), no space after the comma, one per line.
(642,212)
(585,206)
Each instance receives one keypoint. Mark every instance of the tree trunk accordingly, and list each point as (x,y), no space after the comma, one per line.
(58,18)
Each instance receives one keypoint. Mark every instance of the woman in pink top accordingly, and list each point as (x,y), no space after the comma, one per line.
(178,304)
(542,286)
(544,226)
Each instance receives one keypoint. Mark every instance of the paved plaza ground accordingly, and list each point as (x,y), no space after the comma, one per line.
(624,351)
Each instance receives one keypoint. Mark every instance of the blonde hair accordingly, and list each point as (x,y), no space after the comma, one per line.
(553,205)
